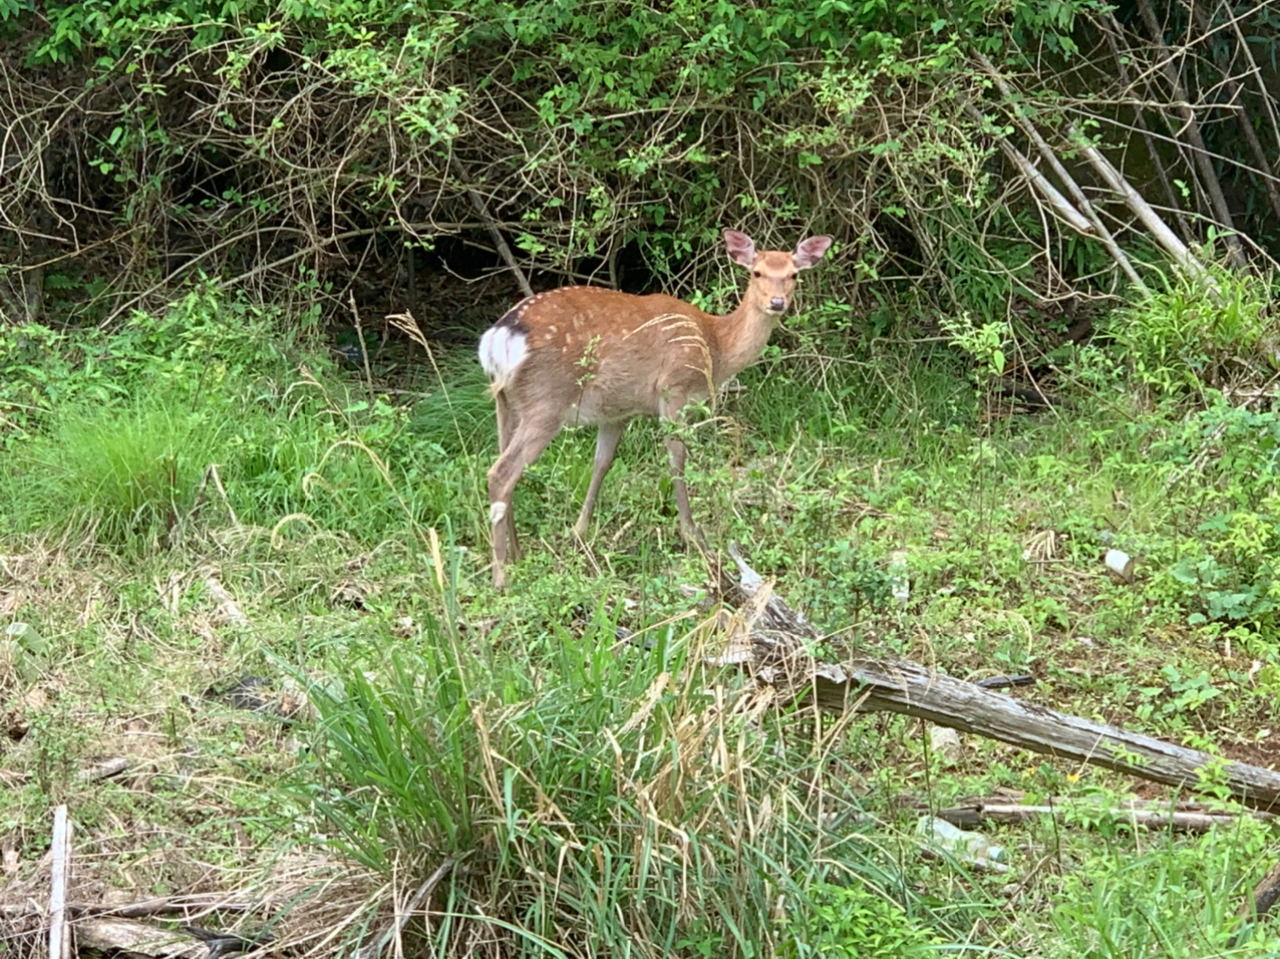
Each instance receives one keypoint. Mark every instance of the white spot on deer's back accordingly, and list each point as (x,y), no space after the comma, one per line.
(502,350)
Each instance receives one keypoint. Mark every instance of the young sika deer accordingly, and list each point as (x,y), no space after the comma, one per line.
(582,355)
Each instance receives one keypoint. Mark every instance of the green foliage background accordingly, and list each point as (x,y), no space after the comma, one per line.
(252,141)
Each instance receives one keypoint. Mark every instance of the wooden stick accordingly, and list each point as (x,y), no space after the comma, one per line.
(913,690)
(500,242)
(374,949)
(1181,820)
(60,846)
(1236,93)
(1111,29)
(1057,202)
(364,348)
(1141,208)
(1051,159)
(105,770)
(1265,895)
(1268,98)
(778,658)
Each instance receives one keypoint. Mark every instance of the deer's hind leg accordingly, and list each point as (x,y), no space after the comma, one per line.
(524,445)
(508,422)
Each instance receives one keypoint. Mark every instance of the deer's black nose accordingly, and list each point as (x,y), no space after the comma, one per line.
(777,304)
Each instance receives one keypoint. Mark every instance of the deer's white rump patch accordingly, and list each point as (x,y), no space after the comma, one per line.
(502,350)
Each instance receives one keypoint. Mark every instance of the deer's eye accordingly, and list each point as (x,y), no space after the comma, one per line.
(757,274)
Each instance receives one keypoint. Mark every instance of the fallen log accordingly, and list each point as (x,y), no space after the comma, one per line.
(775,647)
(1265,895)
(1149,815)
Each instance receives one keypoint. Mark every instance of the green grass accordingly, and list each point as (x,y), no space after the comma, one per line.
(121,471)
(260,513)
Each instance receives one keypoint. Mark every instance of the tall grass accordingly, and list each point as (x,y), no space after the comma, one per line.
(614,800)
(125,470)
(208,419)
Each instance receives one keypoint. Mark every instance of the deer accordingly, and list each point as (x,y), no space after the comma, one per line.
(583,355)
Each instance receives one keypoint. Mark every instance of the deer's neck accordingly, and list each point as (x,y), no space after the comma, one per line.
(742,336)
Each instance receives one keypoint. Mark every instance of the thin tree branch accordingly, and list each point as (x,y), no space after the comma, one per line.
(1208,176)
(1268,97)
(1108,25)
(1058,203)
(1236,92)
(499,241)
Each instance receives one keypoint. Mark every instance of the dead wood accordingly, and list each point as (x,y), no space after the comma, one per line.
(1134,200)
(404,912)
(1032,395)
(1114,34)
(1235,94)
(109,936)
(776,650)
(106,769)
(1058,203)
(499,241)
(60,847)
(1157,816)
(1265,895)
(1050,158)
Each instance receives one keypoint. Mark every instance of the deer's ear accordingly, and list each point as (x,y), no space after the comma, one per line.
(741,249)
(810,251)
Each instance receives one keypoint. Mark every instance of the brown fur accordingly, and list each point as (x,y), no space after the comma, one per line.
(598,356)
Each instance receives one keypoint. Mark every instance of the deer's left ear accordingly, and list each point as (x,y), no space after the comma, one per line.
(810,251)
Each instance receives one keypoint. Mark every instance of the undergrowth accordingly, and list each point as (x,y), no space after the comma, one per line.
(199,511)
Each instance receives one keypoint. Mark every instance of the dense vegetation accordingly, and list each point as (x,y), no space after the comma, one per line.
(242,515)
(318,150)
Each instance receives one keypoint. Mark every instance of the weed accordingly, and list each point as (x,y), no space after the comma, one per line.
(855,922)
(1201,333)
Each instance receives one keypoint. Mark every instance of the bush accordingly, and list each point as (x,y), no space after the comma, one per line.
(1201,334)
(1223,463)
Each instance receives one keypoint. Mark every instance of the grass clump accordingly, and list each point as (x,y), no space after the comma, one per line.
(1201,333)
(1171,898)
(603,801)
(124,437)
(856,922)
(122,471)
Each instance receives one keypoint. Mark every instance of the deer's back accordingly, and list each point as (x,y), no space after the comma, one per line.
(595,354)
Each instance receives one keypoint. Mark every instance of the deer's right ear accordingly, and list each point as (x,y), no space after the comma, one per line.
(741,248)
